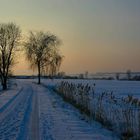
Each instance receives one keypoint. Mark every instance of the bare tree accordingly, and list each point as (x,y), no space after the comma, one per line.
(117,76)
(40,49)
(9,39)
(86,74)
(61,74)
(55,61)
(81,76)
(128,73)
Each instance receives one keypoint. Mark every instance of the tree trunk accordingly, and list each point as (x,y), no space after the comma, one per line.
(4,83)
(39,73)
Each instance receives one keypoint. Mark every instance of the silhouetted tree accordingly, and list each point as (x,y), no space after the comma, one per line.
(86,74)
(54,63)
(9,39)
(117,76)
(40,49)
(61,74)
(128,73)
(81,76)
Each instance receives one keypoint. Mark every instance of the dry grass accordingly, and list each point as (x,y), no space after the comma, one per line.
(121,115)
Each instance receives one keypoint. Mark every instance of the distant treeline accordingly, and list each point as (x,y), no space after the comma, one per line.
(134,78)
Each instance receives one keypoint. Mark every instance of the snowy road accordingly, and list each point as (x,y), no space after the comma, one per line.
(37,113)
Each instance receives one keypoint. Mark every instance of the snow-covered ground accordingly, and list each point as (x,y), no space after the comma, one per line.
(8,96)
(34,112)
(61,121)
(15,115)
(119,88)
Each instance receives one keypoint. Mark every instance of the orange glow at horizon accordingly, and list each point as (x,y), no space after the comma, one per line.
(97,36)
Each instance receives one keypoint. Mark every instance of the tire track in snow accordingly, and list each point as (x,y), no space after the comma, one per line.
(10,101)
(34,122)
(14,119)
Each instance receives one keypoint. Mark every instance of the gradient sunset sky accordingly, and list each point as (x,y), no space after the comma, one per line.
(97,35)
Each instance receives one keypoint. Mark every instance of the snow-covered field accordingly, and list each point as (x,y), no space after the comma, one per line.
(34,112)
(119,88)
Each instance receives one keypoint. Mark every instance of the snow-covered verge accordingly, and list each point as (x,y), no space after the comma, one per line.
(9,95)
(61,121)
(118,114)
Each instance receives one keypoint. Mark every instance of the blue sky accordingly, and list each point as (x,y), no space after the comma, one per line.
(97,35)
